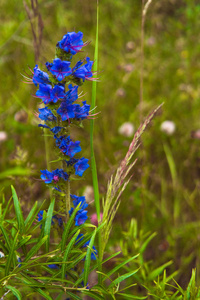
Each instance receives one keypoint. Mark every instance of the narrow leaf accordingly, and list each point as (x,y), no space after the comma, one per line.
(47,226)
(159,270)
(18,211)
(74,296)
(93,295)
(121,265)
(11,255)
(34,250)
(15,292)
(66,254)
(67,228)
(88,259)
(123,277)
(128,296)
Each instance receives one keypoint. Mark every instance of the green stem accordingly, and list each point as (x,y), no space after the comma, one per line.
(93,162)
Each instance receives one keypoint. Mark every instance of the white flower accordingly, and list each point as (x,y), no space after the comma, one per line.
(168,127)
(3,136)
(126,129)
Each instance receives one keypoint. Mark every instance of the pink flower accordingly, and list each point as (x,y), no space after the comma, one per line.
(94,219)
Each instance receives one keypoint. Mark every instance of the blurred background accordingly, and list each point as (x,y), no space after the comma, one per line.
(163,195)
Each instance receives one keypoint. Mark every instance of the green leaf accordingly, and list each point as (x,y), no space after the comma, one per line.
(67,228)
(121,265)
(15,172)
(93,295)
(88,259)
(128,296)
(11,255)
(6,237)
(74,296)
(123,277)
(34,250)
(31,215)
(18,211)
(24,240)
(145,244)
(158,271)
(47,226)
(15,292)
(6,209)
(110,257)
(66,254)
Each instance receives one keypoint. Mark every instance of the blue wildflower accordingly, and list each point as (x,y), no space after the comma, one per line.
(40,77)
(72,94)
(40,215)
(19,260)
(57,93)
(81,112)
(84,72)
(44,93)
(71,211)
(81,166)
(60,139)
(46,114)
(56,129)
(73,148)
(71,42)
(54,176)
(53,266)
(79,238)
(80,217)
(79,200)
(71,162)
(43,126)
(66,111)
(60,69)
(94,252)
(68,147)
(59,220)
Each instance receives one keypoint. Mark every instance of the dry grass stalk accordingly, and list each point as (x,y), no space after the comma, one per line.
(36,25)
(118,183)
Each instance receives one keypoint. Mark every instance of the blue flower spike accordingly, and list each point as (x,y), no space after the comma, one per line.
(62,109)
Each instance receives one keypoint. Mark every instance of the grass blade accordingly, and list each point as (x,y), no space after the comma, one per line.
(121,265)
(122,278)
(159,270)
(93,103)
(6,237)
(88,259)
(128,296)
(67,252)
(11,256)
(18,211)
(47,226)
(31,215)
(32,252)
(67,228)
(74,296)
(15,292)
